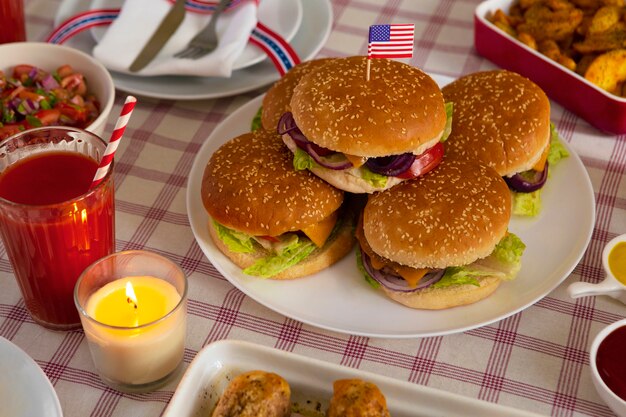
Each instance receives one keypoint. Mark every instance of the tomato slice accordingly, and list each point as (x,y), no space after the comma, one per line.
(75,113)
(48,117)
(424,163)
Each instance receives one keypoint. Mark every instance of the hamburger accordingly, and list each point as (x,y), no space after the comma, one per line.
(270,220)
(440,241)
(365,136)
(276,100)
(503,119)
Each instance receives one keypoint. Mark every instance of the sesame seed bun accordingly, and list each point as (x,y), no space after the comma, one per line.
(249,185)
(452,216)
(440,298)
(397,111)
(276,100)
(500,118)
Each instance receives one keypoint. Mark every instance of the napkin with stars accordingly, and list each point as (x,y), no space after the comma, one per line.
(138,19)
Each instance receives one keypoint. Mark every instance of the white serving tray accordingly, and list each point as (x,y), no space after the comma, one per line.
(311,382)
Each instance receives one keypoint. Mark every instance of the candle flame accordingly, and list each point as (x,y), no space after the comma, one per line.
(130,295)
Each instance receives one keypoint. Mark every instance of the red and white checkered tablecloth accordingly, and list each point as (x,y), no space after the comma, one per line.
(535,360)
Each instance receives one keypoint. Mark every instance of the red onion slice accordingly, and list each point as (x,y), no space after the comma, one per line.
(396,283)
(49,83)
(390,165)
(336,161)
(523,184)
(286,123)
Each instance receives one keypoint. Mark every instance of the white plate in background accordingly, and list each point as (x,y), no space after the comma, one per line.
(311,382)
(339,299)
(25,390)
(282,16)
(307,42)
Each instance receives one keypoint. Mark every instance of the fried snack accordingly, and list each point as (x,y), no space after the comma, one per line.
(551,49)
(527,39)
(578,34)
(612,38)
(255,394)
(604,19)
(357,398)
(543,23)
(583,63)
(608,71)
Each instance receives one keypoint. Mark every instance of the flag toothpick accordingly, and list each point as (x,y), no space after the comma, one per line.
(390,41)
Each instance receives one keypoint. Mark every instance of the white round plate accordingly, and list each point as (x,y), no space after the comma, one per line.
(309,38)
(339,299)
(282,16)
(25,390)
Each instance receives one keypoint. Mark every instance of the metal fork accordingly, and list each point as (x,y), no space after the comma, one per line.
(206,40)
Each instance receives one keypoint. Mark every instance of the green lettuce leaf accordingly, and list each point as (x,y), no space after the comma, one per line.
(509,250)
(458,275)
(273,264)
(235,241)
(302,160)
(448,129)
(376,180)
(504,262)
(557,149)
(526,204)
(359,263)
(256,121)
(506,259)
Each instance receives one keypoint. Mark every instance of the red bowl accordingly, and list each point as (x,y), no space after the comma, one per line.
(603,110)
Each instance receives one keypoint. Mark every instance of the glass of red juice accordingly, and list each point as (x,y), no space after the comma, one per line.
(52,224)
(12,28)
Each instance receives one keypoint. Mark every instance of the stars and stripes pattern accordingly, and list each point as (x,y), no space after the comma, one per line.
(391,41)
(208,7)
(280,52)
(282,55)
(81,22)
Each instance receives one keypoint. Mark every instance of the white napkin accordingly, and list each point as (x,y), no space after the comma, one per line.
(137,20)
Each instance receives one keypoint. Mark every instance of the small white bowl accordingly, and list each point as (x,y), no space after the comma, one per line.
(610,286)
(49,57)
(615,403)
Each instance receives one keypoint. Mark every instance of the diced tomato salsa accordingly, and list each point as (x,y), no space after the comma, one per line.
(31,97)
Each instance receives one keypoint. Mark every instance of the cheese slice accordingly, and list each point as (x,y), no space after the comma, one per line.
(541,163)
(356,161)
(319,232)
(411,275)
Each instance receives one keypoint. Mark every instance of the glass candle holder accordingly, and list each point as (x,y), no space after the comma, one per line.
(52,224)
(133,308)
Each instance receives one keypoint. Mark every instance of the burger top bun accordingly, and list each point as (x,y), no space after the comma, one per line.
(276,100)
(452,216)
(500,118)
(249,185)
(396,111)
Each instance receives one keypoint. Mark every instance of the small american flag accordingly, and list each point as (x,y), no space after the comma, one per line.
(391,41)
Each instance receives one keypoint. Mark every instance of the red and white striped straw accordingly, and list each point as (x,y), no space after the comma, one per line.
(120,126)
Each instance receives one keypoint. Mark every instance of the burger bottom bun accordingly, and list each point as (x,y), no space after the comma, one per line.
(333,250)
(441,298)
(346,179)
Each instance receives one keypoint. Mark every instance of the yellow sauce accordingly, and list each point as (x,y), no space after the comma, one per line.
(617,261)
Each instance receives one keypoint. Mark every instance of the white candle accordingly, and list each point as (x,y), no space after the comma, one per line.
(148,340)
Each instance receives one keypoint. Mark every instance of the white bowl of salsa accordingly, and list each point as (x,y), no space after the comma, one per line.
(47,84)
(608,367)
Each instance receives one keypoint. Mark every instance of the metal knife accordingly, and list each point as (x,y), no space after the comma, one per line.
(166,29)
